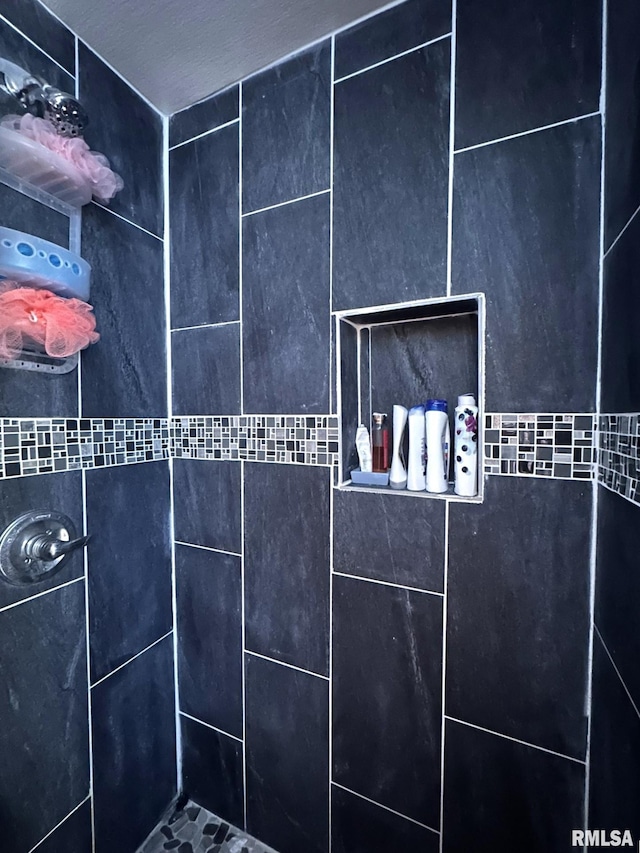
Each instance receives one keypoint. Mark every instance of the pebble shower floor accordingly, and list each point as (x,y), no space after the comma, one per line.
(192,829)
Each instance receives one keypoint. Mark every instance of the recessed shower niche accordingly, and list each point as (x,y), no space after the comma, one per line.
(404,354)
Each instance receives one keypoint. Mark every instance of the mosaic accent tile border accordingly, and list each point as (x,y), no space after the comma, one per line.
(302,439)
(561,446)
(540,445)
(618,457)
(45,445)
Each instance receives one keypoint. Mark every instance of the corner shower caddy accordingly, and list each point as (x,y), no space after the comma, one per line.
(31,358)
(378,354)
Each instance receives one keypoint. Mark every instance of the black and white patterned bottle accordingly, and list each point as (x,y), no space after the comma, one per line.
(466,446)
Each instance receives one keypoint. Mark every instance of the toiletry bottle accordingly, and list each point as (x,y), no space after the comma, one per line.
(416,469)
(466,446)
(438,440)
(380,442)
(363,446)
(398,474)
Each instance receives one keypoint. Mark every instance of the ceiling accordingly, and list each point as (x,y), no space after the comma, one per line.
(176,52)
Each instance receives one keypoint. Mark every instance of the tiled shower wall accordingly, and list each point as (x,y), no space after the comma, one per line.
(615,727)
(85,725)
(354,667)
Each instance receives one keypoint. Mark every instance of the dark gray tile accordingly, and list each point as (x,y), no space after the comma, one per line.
(124,374)
(203,116)
(44,737)
(206,498)
(391,32)
(129,133)
(17,49)
(74,836)
(38,24)
(358,826)
(618,584)
(285,308)
(29,394)
(411,362)
(518,611)
(286,129)
(204,230)
(389,538)
(209,612)
(524,64)
(621,324)
(24,214)
(622,146)
(391,172)
(134,747)
(212,771)
(286,563)
(57,492)
(387,696)
(501,796)
(206,370)
(129,562)
(287,715)
(615,750)
(541,334)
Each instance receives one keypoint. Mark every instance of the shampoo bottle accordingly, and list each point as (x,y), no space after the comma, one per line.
(438,439)
(380,443)
(466,446)
(415,472)
(398,474)
(363,446)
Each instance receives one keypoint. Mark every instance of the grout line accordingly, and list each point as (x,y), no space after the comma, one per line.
(514,740)
(166,262)
(40,594)
(205,547)
(392,58)
(330,690)
(240,248)
(58,825)
(332,330)
(85,529)
(389,583)
(77,245)
(205,326)
(127,662)
(244,649)
(204,133)
(452,130)
(573,120)
(128,221)
(288,665)
(284,203)
(444,660)
(613,664)
(209,726)
(37,46)
(596,426)
(386,808)
(631,218)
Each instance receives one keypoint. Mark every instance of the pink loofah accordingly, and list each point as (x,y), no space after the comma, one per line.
(93,166)
(61,326)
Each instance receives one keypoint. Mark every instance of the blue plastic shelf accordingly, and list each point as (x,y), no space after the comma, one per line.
(31,260)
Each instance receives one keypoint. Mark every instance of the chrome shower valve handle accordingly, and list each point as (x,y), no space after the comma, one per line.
(36,545)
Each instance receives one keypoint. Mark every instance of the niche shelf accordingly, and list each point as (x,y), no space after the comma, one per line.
(403,354)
